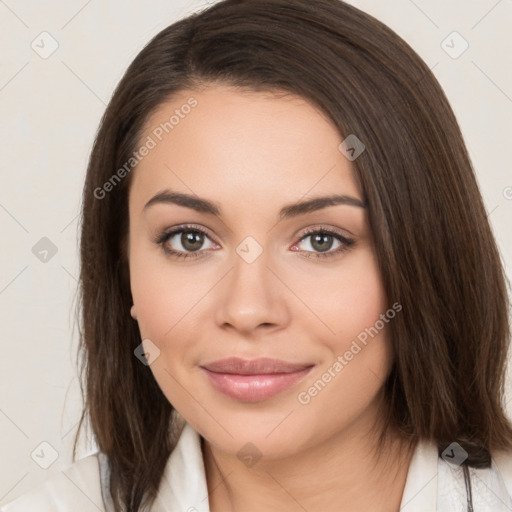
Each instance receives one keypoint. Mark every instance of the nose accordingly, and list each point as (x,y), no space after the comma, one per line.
(251,298)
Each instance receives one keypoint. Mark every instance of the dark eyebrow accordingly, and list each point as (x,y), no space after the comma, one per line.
(290,210)
(187,200)
(317,203)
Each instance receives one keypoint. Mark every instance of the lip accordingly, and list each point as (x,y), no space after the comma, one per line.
(256,379)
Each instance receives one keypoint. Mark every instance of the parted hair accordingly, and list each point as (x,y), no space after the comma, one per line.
(436,251)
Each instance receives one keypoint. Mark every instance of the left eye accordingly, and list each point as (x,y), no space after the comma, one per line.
(320,241)
(187,241)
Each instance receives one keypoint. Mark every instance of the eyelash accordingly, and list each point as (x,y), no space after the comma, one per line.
(166,235)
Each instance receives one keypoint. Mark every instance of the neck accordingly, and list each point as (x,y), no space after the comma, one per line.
(343,473)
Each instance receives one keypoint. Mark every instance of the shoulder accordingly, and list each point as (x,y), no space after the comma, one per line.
(502,462)
(84,485)
(489,487)
(77,487)
(438,484)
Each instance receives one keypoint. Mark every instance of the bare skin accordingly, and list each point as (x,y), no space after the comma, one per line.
(251,154)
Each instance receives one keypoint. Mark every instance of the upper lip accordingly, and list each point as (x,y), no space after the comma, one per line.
(261,366)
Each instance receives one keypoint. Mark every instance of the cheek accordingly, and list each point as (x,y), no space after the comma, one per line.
(357,352)
(164,295)
(360,300)
(163,291)
(346,299)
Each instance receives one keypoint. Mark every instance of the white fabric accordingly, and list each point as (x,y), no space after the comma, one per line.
(432,485)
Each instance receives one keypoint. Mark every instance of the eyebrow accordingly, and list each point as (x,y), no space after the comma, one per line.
(291,210)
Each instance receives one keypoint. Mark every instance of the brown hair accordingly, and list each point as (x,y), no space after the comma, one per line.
(435,248)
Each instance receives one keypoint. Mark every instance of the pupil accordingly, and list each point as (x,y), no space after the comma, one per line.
(192,241)
(322,242)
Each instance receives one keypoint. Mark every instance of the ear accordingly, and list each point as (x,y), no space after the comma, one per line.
(133,312)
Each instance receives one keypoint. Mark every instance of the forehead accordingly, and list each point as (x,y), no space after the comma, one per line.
(222,143)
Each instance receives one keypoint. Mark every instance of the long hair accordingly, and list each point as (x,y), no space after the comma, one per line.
(435,248)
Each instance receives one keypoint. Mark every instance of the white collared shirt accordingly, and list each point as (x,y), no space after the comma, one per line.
(432,485)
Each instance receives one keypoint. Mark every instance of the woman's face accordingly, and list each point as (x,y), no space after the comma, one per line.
(259,281)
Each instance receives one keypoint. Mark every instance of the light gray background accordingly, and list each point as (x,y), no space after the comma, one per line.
(50,109)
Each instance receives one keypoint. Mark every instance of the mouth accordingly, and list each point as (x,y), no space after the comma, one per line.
(253,380)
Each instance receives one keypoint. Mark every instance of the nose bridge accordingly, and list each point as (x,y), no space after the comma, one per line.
(251,295)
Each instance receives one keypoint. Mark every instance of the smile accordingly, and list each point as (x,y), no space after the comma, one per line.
(254,380)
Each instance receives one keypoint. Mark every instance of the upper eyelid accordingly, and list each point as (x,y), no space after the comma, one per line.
(188,227)
(320,228)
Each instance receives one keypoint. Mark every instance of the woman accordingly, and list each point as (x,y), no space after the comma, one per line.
(291,296)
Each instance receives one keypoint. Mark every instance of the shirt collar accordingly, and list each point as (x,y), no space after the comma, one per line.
(184,487)
(420,491)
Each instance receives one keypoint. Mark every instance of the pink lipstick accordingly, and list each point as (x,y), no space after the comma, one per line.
(254,380)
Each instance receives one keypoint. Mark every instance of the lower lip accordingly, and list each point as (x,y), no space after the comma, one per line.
(254,388)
